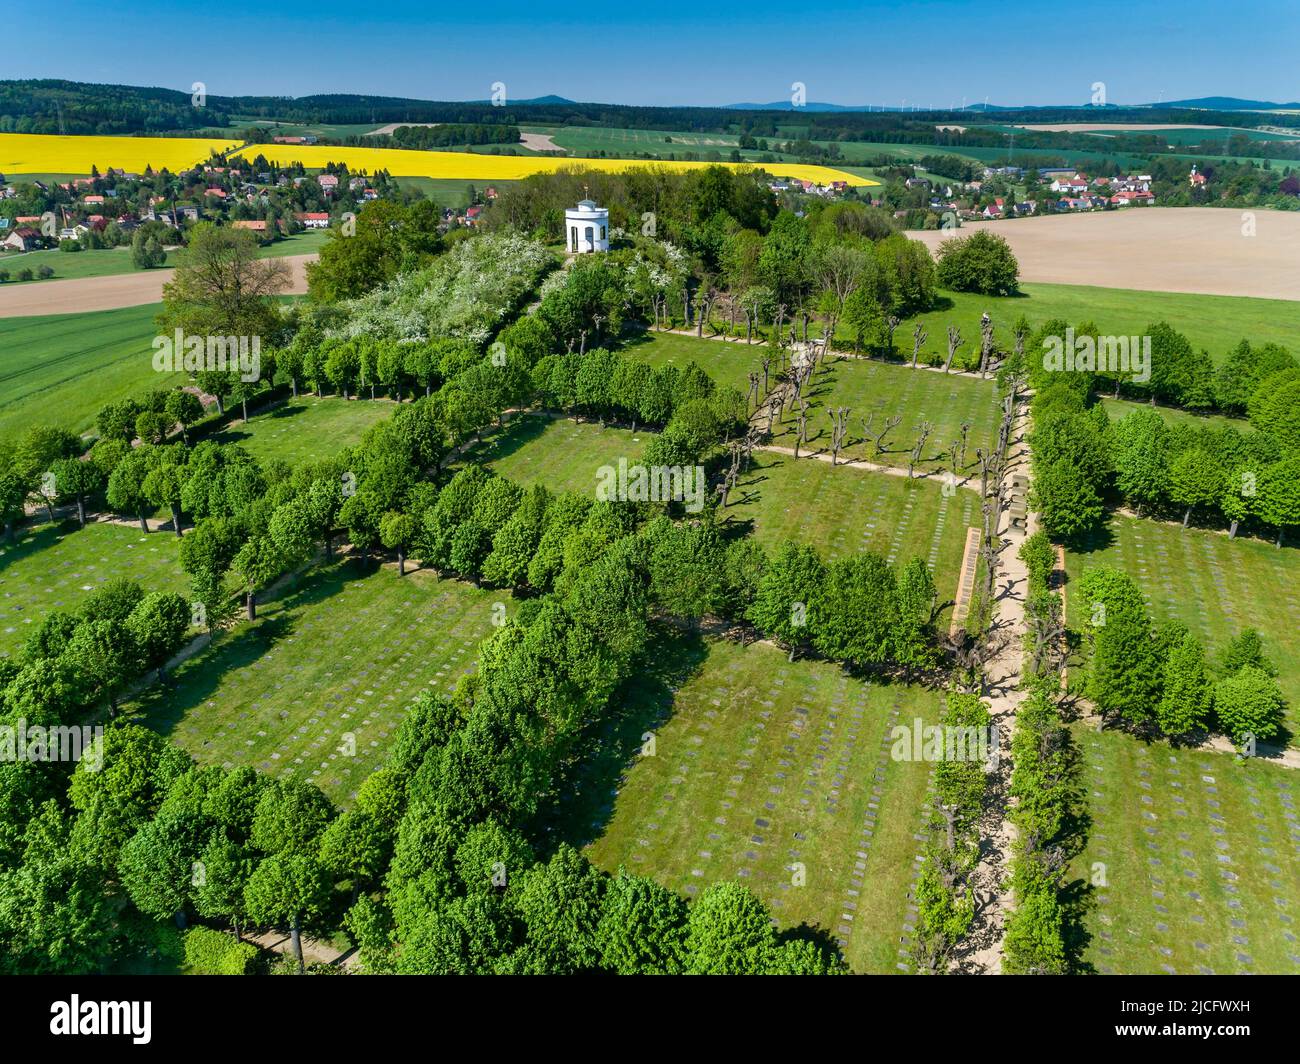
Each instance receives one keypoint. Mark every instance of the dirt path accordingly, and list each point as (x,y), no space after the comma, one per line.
(136,289)
(1001,689)
(856,463)
(1175,249)
(314,951)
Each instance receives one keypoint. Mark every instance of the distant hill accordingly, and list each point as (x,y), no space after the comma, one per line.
(1227,103)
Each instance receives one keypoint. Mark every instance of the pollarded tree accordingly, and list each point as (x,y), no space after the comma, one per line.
(158,625)
(226,869)
(290,817)
(686,567)
(1187,692)
(560,904)
(104,655)
(157,866)
(357,847)
(1249,705)
(257,563)
(163,483)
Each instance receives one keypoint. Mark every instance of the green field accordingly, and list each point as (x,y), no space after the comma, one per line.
(1200,857)
(342,652)
(450,192)
(761,765)
(54,567)
(306,429)
(60,369)
(68,265)
(865,387)
(1214,585)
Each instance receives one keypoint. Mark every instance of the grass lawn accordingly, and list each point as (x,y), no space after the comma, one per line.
(1119,408)
(863,386)
(307,429)
(1214,585)
(1201,859)
(1212,323)
(60,369)
(55,567)
(68,265)
(760,766)
(340,653)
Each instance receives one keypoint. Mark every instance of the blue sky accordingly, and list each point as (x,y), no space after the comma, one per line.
(929,53)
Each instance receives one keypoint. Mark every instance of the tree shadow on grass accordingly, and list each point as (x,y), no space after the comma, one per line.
(582,803)
(195,682)
(36,538)
(502,443)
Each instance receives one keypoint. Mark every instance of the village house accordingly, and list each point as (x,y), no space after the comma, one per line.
(24,238)
(313,219)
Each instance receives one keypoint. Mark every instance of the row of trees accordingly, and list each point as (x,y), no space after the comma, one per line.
(1082,459)
(76,659)
(1155,678)
(945,897)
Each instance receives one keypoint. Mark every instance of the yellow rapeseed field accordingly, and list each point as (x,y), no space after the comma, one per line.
(35,153)
(28,153)
(466,166)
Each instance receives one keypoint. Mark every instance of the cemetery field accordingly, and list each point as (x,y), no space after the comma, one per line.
(328,666)
(773,772)
(306,429)
(842,511)
(1214,585)
(838,511)
(54,567)
(866,387)
(60,369)
(558,453)
(1201,859)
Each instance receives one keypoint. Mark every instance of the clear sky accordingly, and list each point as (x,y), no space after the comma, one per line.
(929,53)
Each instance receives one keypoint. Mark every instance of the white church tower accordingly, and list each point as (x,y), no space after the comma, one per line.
(587,227)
